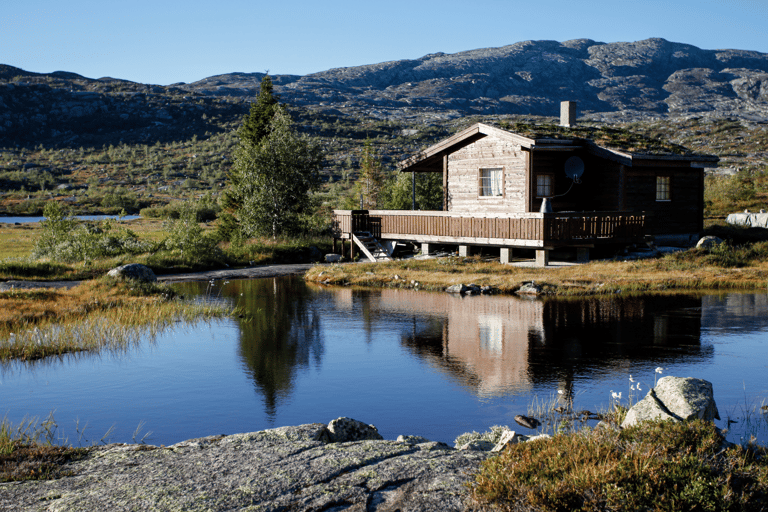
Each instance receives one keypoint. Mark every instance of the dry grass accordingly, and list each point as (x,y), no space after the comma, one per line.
(96,314)
(653,466)
(17,241)
(693,271)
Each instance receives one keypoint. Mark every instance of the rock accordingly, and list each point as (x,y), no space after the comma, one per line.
(540,437)
(332,258)
(464,289)
(412,439)
(508,438)
(473,289)
(488,290)
(133,271)
(457,288)
(527,421)
(676,399)
(709,242)
(343,430)
(478,445)
(529,289)
(287,468)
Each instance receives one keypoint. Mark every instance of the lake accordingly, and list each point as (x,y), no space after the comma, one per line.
(26,220)
(429,364)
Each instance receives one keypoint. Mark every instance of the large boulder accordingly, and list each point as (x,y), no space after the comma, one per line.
(342,430)
(676,399)
(133,271)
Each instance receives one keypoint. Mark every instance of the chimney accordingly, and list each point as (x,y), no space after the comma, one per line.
(567,113)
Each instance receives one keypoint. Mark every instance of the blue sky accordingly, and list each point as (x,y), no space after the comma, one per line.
(159,42)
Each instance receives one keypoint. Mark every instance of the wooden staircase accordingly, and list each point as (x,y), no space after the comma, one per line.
(371,247)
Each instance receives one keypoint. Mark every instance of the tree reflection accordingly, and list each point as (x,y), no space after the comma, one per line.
(280,333)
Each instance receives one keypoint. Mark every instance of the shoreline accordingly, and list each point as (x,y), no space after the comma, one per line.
(262,271)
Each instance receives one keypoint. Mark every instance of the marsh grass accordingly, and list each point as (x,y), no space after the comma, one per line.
(29,451)
(652,466)
(92,316)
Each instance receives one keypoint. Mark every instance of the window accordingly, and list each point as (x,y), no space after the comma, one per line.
(544,185)
(663,188)
(491,182)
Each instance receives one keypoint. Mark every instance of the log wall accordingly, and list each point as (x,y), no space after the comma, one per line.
(463,177)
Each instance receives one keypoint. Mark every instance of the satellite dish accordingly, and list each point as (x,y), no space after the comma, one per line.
(574,168)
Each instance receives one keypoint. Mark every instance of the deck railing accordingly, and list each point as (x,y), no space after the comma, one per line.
(528,229)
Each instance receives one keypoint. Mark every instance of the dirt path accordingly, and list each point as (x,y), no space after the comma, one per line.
(240,273)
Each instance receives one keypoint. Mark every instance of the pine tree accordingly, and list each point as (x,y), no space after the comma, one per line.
(278,175)
(256,123)
(254,129)
(372,177)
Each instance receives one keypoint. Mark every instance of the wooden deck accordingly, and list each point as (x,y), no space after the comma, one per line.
(513,230)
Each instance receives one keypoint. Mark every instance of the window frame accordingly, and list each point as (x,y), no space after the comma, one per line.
(551,185)
(480,183)
(663,188)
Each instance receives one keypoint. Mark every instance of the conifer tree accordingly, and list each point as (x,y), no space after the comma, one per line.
(372,177)
(254,129)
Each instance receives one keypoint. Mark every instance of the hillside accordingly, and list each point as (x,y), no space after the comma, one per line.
(108,143)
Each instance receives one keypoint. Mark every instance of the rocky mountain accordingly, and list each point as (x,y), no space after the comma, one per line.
(611,82)
(653,77)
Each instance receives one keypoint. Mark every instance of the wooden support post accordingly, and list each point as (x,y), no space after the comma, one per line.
(445,183)
(334,245)
(351,249)
(582,255)
(465,250)
(505,255)
(424,248)
(542,257)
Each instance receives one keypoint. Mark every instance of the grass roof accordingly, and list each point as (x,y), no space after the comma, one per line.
(608,137)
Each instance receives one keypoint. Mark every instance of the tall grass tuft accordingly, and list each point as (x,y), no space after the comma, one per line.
(28,452)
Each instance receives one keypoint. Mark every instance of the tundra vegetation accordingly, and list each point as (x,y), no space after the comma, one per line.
(176,184)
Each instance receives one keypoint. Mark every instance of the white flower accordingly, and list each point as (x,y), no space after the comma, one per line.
(632,387)
(616,395)
(630,378)
(638,386)
(559,391)
(659,369)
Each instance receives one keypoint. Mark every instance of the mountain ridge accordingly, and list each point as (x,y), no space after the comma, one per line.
(611,82)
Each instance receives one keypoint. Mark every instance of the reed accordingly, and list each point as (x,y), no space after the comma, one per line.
(30,450)
(96,315)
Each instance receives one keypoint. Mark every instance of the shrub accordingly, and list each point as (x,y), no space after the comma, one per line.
(653,466)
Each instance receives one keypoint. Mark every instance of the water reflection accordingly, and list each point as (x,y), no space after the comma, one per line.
(279,334)
(495,346)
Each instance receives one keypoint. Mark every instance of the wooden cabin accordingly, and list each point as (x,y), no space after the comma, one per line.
(543,192)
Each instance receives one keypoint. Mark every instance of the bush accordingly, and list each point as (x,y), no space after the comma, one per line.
(68,240)
(653,466)
(186,236)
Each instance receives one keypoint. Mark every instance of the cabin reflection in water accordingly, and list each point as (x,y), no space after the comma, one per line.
(507,345)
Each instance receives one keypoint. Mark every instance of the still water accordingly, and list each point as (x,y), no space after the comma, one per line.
(428,364)
(27,220)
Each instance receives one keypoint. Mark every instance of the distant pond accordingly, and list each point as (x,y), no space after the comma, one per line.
(26,220)
(422,363)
